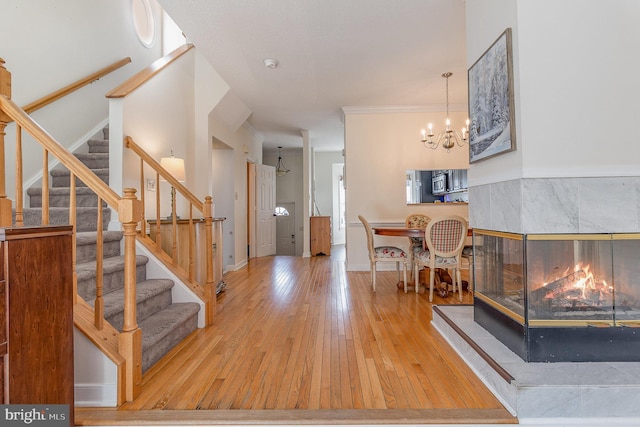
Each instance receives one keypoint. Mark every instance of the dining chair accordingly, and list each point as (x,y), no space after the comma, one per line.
(415,220)
(384,254)
(444,240)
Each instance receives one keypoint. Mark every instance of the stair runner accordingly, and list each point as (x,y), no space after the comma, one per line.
(164,323)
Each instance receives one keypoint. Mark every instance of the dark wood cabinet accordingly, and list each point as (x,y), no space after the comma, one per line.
(36,308)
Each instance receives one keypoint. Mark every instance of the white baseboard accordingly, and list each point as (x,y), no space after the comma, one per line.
(96,395)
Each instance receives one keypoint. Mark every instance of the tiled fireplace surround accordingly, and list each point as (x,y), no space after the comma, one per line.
(557,205)
(593,390)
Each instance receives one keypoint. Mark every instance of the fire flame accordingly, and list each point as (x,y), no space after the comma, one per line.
(577,283)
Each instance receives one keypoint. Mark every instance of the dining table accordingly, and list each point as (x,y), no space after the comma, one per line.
(399,231)
(405,232)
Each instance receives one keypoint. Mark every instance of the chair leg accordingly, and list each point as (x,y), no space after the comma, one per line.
(373,275)
(410,266)
(432,278)
(459,280)
(416,277)
(404,271)
(453,280)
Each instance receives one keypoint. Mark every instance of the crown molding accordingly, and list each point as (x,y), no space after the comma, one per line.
(381,109)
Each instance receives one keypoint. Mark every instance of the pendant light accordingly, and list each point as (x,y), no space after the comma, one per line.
(280,168)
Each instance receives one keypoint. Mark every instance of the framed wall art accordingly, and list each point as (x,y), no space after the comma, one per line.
(491,106)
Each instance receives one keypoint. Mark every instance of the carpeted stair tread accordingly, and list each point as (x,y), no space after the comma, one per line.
(86,217)
(37,191)
(86,245)
(60,177)
(98,146)
(89,237)
(59,197)
(113,275)
(94,160)
(164,330)
(152,295)
(156,327)
(87,270)
(65,172)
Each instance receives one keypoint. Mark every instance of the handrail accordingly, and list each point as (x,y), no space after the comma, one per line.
(67,159)
(129,143)
(146,74)
(46,100)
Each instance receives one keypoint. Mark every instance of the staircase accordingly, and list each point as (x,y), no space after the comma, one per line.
(163,322)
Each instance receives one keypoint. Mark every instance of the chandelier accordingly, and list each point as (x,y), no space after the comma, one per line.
(449,137)
(280,168)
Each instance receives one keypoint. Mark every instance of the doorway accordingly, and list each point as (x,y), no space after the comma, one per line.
(286,229)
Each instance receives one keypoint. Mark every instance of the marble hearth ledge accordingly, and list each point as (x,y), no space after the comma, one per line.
(557,205)
(538,391)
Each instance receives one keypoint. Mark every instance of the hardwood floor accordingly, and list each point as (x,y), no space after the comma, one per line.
(300,339)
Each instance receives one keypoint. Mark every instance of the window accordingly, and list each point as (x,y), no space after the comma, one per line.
(143,21)
(280,211)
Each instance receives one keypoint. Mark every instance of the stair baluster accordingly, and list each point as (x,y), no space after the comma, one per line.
(19,188)
(99,302)
(45,186)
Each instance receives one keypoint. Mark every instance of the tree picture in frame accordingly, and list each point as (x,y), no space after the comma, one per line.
(491,105)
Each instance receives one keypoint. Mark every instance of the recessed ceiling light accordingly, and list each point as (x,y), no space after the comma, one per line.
(270,63)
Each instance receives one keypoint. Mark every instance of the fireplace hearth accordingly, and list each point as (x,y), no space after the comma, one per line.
(560,297)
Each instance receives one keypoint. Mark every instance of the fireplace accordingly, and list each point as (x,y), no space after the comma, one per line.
(560,297)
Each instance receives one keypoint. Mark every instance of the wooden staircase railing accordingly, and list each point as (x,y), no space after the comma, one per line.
(128,207)
(207,291)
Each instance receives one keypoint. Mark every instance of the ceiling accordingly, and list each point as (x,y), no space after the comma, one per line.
(331,54)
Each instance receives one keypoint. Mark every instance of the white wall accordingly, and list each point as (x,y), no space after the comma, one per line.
(323,161)
(490,19)
(47,45)
(379,149)
(576,165)
(159,117)
(223,165)
(576,89)
(579,87)
(247,147)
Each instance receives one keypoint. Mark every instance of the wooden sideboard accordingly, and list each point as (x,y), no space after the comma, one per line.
(36,308)
(199,242)
(320,235)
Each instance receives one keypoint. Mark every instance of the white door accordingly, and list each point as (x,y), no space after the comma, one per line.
(266,206)
(285,229)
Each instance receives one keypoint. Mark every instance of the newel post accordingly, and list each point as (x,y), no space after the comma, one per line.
(210,287)
(5,204)
(130,343)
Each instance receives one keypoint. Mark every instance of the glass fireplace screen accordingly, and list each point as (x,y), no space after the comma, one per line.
(560,297)
(560,279)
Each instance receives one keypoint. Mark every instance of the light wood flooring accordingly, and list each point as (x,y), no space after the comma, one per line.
(303,341)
